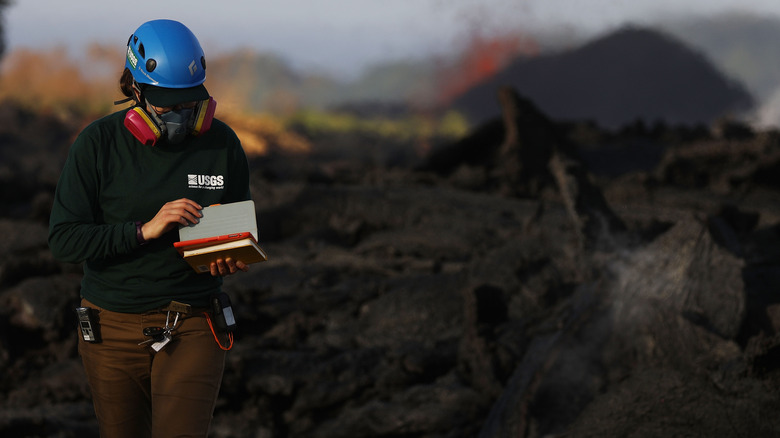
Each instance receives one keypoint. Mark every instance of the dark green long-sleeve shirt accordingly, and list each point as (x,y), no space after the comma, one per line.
(109,181)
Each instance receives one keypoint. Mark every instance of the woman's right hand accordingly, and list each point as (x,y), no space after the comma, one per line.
(179,212)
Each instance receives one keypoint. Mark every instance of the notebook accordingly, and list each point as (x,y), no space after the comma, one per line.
(245,250)
(222,220)
(224,230)
(209,241)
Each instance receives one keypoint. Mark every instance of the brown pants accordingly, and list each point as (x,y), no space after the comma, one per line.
(139,393)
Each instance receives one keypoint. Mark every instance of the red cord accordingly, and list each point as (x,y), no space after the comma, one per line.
(211,326)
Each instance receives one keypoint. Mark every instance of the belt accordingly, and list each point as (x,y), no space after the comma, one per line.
(175,306)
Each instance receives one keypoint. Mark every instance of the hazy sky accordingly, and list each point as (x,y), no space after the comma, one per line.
(340,36)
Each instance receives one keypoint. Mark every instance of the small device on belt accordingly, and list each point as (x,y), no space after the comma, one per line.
(90,330)
(223,312)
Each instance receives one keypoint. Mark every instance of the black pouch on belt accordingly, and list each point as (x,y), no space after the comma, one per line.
(88,322)
(223,312)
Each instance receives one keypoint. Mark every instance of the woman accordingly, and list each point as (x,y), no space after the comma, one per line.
(124,190)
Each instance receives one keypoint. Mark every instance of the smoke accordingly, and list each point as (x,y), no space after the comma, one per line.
(672,296)
(767,116)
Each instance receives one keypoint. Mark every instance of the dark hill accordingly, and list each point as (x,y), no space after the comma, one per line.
(630,74)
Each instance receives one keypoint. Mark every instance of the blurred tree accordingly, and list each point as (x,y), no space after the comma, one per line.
(3,5)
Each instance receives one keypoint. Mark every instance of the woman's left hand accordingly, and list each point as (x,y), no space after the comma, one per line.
(227,266)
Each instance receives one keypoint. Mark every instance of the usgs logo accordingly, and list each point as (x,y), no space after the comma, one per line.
(131,56)
(207,182)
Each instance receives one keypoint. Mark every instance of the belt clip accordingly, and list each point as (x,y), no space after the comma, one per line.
(175,306)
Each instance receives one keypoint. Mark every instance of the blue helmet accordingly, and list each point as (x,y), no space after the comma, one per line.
(165,53)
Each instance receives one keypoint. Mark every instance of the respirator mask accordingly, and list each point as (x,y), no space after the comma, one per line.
(175,125)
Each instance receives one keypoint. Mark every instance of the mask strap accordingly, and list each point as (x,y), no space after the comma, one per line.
(128,99)
(125,100)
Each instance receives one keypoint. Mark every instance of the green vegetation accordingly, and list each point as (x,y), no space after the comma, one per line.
(407,128)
